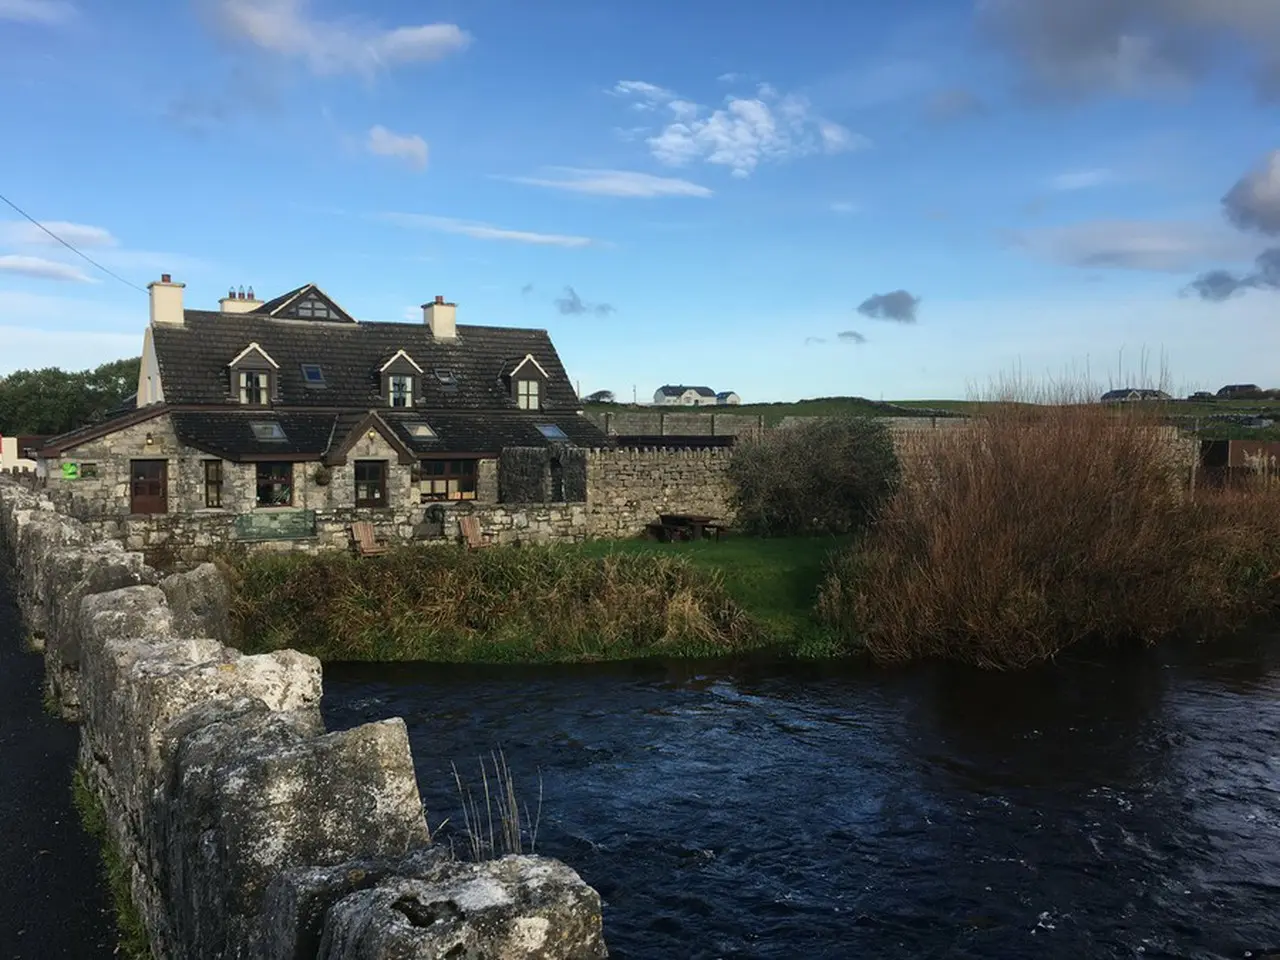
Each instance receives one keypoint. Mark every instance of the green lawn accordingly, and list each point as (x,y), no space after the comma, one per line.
(776,580)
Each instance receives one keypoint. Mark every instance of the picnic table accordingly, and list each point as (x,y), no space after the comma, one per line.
(685,526)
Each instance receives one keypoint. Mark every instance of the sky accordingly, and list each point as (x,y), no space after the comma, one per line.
(904,201)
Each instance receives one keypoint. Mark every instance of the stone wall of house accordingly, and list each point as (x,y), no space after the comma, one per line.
(247,831)
(628,489)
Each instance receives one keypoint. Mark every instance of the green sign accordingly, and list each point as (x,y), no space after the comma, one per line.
(71,471)
(275,525)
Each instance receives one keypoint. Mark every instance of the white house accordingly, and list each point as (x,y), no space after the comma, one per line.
(11,456)
(678,395)
(727,397)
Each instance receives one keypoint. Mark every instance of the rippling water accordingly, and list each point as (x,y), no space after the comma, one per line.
(1121,807)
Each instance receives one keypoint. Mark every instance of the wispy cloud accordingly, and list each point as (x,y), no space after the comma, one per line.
(812,340)
(851,336)
(485,231)
(573,305)
(898,306)
(407,147)
(1160,245)
(25,233)
(614,183)
(1081,179)
(526,289)
(42,269)
(746,131)
(286,28)
(49,13)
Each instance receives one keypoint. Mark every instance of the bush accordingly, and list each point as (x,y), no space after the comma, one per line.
(1036,528)
(446,603)
(828,476)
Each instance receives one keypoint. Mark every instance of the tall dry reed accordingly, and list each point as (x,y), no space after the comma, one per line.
(1039,526)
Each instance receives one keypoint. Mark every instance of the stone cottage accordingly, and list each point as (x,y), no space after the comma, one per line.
(292,406)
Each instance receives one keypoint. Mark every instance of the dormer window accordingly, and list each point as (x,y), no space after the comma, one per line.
(255,388)
(528,395)
(312,308)
(400,390)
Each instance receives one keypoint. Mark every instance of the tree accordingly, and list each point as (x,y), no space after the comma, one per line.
(53,401)
(601,396)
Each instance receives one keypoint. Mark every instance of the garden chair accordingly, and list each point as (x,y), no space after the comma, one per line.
(365,540)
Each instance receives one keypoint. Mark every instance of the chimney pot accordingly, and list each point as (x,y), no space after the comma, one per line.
(165,278)
(251,296)
(439,298)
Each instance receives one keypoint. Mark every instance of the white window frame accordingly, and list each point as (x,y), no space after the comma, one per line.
(263,391)
(405,381)
(528,395)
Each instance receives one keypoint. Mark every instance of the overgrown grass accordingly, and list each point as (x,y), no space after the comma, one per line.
(502,824)
(131,936)
(448,604)
(1037,528)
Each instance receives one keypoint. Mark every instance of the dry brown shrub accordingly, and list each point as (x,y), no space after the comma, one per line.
(1037,527)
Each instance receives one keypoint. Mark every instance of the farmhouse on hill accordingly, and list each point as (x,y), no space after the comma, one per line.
(293,403)
(679,395)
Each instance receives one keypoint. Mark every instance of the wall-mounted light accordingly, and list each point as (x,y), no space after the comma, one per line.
(373,434)
(150,439)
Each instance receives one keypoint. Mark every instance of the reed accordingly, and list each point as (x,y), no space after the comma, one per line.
(498,826)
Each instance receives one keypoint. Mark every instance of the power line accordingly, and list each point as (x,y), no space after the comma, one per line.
(109,273)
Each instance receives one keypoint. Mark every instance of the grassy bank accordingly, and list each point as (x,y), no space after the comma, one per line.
(1041,528)
(596,601)
(131,935)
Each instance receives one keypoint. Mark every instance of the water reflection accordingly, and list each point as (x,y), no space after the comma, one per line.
(1106,807)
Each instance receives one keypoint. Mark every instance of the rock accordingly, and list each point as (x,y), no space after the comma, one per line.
(515,908)
(201,602)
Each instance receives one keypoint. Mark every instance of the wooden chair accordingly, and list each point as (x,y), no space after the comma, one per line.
(470,529)
(365,540)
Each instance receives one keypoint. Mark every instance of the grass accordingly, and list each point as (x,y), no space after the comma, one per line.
(500,826)
(131,936)
(1040,528)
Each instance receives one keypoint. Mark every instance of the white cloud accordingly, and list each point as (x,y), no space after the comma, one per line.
(41,269)
(1174,246)
(332,47)
(743,133)
(410,148)
(485,231)
(844,206)
(1081,179)
(615,183)
(49,13)
(25,233)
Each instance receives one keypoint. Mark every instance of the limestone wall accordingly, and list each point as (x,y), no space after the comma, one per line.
(248,831)
(627,489)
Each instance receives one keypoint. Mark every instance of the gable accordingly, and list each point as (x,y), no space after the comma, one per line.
(307,302)
(527,368)
(400,362)
(253,356)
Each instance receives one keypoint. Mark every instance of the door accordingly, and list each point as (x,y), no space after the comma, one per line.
(148,486)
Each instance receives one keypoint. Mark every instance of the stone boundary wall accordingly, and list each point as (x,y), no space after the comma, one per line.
(249,833)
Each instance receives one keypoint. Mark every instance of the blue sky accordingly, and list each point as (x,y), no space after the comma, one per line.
(784,200)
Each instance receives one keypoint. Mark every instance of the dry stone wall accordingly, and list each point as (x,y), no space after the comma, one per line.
(248,831)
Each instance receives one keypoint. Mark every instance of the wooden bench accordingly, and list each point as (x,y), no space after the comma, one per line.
(365,541)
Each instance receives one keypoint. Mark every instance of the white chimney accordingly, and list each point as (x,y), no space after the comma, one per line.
(442,318)
(237,301)
(166,300)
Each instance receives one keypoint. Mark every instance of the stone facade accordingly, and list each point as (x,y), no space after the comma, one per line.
(626,490)
(246,830)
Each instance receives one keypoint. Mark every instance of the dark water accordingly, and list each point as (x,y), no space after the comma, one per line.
(1120,807)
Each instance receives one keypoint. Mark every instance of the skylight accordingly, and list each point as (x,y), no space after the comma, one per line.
(420,430)
(445,375)
(267,430)
(313,375)
(551,431)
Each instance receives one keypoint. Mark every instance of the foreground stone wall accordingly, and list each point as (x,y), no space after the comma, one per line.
(247,830)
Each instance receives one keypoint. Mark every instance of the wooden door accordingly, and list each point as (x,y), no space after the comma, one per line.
(148,486)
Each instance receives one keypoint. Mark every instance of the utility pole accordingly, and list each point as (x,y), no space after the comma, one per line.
(634,401)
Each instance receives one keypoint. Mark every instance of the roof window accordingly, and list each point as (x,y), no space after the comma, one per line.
(313,375)
(420,430)
(551,431)
(267,430)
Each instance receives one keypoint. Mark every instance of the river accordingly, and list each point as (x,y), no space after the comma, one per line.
(1114,806)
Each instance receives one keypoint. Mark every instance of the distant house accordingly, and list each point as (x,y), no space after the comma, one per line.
(727,397)
(1127,394)
(17,452)
(678,395)
(1239,390)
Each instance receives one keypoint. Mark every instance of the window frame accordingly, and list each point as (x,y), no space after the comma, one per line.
(286,480)
(379,484)
(212,485)
(316,382)
(406,395)
(437,476)
(529,393)
(274,427)
(261,396)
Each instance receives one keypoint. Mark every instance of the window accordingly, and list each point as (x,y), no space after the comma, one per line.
(313,309)
(551,431)
(420,431)
(448,479)
(371,483)
(267,430)
(275,485)
(213,483)
(255,387)
(527,395)
(401,390)
(313,375)
(445,375)
(88,471)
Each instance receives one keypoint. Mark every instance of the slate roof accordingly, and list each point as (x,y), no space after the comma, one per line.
(675,390)
(193,361)
(230,435)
